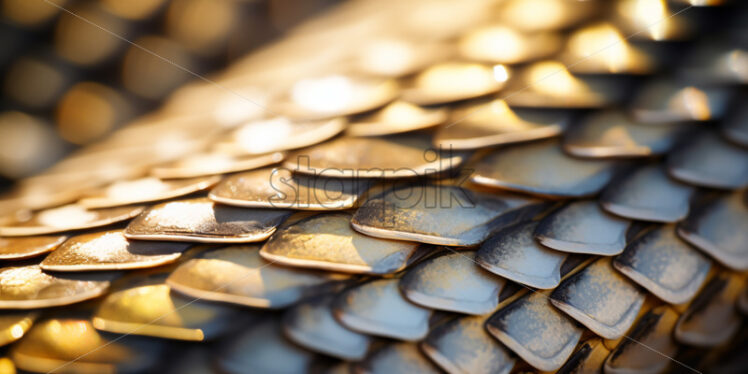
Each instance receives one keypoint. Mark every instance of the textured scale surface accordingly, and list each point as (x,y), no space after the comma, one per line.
(484,186)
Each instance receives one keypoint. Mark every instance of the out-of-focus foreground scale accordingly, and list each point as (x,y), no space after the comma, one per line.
(484,186)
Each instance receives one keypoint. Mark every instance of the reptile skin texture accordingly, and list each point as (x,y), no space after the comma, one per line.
(473,186)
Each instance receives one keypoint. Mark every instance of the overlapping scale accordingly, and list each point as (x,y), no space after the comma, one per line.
(110,250)
(494,123)
(214,163)
(228,106)
(395,156)
(452,281)
(68,218)
(652,20)
(709,161)
(613,134)
(463,345)
(397,357)
(335,95)
(542,169)
(589,357)
(281,188)
(379,308)
(506,45)
(648,194)
(455,81)
(397,117)
(24,247)
(583,227)
(328,242)
(716,63)
(262,348)
(514,254)
(278,134)
(549,84)
(536,331)
(25,286)
(154,310)
(146,190)
(202,220)
(665,265)
(601,299)
(30,195)
(311,325)
(398,57)
(666,102)
(440,214)
(711,319)
(71,343)
(650,345)
(239,275)
(717,227)
(601,48)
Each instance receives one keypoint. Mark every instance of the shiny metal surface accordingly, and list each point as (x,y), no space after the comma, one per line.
(542,169)
(281,188)
(110,250)
(484,186)
(452,281)
(328,242)
(239,275)
(583,227)
(441,215)
(202,220)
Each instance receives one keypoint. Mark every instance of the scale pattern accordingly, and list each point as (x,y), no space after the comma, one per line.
(483,186)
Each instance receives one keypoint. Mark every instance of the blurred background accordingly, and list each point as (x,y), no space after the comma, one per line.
(65,83)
